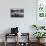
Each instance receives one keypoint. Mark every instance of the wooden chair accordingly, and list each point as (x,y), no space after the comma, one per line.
(8,34)
(27,37)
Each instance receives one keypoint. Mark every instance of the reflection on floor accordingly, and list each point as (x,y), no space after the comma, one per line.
(13,44)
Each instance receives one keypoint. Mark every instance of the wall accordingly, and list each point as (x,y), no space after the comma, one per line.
(24,24)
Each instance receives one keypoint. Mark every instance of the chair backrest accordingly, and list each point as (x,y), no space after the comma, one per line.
(14,30)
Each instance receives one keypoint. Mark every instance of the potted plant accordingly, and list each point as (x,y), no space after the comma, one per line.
(38,27)
(35,26)
(42,27)
(39,35)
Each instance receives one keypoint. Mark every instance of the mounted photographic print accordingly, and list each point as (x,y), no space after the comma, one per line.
(17,12)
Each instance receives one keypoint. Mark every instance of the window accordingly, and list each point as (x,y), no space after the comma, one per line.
(41,8)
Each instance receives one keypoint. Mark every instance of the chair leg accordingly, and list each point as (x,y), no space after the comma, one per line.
(5,43)
(5,40)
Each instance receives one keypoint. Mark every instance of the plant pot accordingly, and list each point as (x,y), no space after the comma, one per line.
(40,41)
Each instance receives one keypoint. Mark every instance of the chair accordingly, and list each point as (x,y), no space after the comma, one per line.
(14,32)
(7,35)
(25,36)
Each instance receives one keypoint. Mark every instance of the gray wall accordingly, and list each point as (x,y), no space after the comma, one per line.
(24,24)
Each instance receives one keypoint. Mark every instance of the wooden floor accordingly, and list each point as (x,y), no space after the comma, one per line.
(13,44)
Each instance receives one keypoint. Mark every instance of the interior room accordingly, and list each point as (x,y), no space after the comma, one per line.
(22,22)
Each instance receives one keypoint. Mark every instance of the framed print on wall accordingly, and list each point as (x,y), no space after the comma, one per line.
(17,12)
